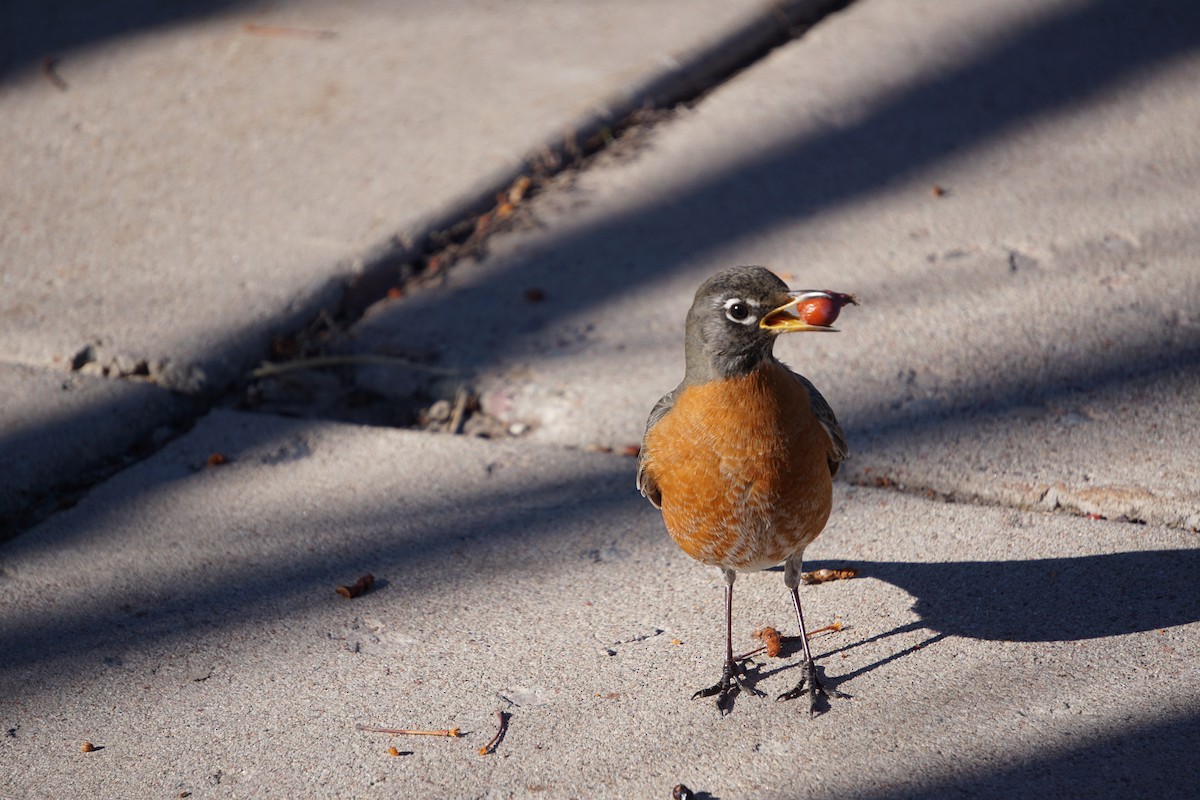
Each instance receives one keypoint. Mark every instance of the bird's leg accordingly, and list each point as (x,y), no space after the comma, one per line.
(810,684)
(731,675)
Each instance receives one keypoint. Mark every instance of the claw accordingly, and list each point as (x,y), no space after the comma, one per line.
(730,685)
(811,686)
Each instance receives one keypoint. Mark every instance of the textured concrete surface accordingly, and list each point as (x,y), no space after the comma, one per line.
(183,619)
(196,182)
(1027,338)
(59,428)
(182,181)
(1029,330)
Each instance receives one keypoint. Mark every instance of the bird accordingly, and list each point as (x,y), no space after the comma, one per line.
(740,457)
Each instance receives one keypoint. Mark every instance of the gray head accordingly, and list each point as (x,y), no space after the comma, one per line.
(733,322)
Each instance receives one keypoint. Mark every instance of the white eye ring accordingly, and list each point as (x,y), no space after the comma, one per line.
(738,310)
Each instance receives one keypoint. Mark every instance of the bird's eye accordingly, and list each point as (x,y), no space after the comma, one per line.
(738,311)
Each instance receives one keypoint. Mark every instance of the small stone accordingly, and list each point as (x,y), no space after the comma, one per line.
(125,364)
(84,357)
(439,411)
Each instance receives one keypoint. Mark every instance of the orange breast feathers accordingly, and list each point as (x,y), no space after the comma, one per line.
(743,467)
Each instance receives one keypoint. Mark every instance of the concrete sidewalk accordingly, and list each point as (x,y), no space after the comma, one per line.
(183,618)
(184,182)
(1009,189)
(1029,332)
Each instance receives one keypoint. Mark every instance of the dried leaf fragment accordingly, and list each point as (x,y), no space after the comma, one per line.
(771,640)
(359,587)
(826,575)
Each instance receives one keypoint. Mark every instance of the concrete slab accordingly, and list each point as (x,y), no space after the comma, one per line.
(1008,188)
(61,431)
(185,180)
(182,182)
(182,619)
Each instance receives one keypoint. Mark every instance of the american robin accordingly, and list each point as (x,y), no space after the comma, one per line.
(740,457)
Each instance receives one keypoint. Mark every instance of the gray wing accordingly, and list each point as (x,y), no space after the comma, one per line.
(824,414)
(645,483)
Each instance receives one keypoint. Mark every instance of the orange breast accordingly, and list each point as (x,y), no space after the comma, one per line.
(742,465)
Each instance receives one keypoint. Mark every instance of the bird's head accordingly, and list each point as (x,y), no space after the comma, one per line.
(737,313)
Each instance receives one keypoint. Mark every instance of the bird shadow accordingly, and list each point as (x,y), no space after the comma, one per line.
(1038,600)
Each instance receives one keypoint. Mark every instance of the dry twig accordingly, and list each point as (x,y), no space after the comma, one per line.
(270,368)
(490,747)
(281,30)
(452,733)
(460,411)
(836,626)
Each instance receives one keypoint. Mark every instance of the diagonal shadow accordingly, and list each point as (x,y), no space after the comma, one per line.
(33,29)
(1067,60)
(1064,61)
(415,546)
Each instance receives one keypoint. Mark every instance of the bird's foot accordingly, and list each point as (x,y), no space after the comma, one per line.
(728,687)
(810,684)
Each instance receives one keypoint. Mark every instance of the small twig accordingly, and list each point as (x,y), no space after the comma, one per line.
(836,626)
(453,733)
(773,640)
(280,30)
(490,747)
(269,368)
(751,653)
(460,409)
(326,319)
